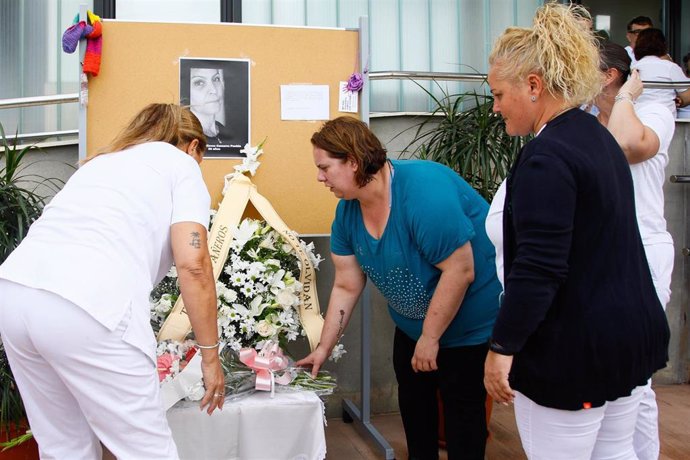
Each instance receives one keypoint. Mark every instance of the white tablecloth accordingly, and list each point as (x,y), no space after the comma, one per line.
(289,426)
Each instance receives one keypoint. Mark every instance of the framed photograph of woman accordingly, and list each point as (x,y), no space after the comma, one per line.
(217,92)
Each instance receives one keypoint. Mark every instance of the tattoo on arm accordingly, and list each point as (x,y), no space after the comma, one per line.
(340,323)
(196,240)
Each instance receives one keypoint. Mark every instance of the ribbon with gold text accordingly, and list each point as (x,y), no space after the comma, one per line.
(239,190)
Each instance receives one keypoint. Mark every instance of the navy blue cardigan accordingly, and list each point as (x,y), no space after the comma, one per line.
(580,312)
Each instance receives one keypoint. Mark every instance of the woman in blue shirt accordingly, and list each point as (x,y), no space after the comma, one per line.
(416,229)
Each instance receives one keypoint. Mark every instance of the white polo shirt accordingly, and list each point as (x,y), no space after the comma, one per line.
(103,242)
(653,68)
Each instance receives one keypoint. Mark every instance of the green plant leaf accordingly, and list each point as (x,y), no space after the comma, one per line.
(471,141)
(20,206)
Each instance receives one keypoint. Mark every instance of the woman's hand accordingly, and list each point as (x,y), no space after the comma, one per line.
(425,353)
(214,382)
(315,359)
(496,370)
(633,86)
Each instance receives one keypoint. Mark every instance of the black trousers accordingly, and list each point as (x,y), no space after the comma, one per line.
(460,379)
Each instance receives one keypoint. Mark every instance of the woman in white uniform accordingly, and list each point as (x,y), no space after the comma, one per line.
(74,310)
(644,132)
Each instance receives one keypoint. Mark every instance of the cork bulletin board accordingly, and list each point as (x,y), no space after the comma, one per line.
(141,64)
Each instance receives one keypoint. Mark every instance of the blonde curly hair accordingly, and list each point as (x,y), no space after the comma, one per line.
(559,47)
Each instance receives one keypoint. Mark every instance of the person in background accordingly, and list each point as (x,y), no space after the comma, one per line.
(580,330)
(74,295)
(650,48)
(416,229)
(644,132)
(635,26)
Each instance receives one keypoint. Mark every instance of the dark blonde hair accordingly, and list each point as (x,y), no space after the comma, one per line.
(169,123)
(347,138)
(558,48)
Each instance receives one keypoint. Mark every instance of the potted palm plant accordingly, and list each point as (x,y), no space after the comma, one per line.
(21,204)
(471,141)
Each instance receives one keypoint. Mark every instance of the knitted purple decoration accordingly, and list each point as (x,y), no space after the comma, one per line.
(355,82)
(74,33)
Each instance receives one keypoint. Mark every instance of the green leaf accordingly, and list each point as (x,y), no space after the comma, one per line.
(473,141)
(20,206)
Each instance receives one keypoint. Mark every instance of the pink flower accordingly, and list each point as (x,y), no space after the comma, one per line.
(163,365)
(355,82)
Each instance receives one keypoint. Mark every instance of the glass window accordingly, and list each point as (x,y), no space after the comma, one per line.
(168,10)
(33,63)
(414,35)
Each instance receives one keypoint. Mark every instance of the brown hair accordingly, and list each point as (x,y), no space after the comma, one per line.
(347,138)
(650,42)
(558,48)
(169,123)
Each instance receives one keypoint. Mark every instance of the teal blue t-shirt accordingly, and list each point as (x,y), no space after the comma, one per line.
(433,213)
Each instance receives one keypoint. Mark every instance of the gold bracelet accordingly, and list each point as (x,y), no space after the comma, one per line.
(208,347)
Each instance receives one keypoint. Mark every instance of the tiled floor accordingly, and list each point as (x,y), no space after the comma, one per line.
(348,442)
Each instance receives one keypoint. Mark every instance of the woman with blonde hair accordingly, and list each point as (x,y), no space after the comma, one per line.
(74,310)
(580,330)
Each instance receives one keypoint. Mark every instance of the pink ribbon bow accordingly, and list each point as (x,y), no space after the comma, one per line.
(266,363)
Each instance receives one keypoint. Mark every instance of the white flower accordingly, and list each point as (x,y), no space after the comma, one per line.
(286,298)
(266,329)
(252,152)
(273,263)
(337,353)
(196,391)
(238,279)
(247,290)
(286,318)
(267,242)
(172,273)
(245,232)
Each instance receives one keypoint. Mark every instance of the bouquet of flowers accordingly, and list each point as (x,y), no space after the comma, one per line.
(258,296)
(258,290)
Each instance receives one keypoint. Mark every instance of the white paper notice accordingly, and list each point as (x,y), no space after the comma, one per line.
(304,102)
(347,100)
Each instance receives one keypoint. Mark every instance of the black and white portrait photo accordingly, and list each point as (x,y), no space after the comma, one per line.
(217,92)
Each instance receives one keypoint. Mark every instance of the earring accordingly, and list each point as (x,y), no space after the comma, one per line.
(533,98)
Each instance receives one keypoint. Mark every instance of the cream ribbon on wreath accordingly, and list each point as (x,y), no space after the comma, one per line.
(238,191)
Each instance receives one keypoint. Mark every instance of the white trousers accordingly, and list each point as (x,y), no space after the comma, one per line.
(80,382)
(600,433)
(660,260)
(646,440)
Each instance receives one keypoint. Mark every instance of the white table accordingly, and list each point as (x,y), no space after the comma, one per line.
(289,426)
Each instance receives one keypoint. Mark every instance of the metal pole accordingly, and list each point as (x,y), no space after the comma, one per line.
(84,87)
